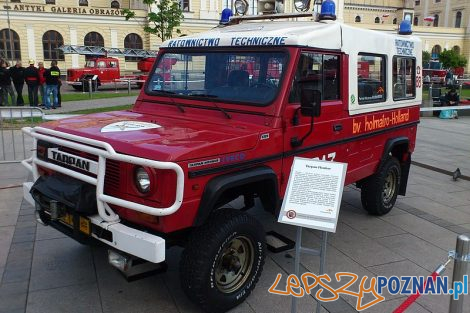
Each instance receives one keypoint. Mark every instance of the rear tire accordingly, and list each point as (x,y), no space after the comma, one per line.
(379,192)
(223,260)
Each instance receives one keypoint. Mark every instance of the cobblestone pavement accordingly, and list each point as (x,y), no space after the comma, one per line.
(41,270)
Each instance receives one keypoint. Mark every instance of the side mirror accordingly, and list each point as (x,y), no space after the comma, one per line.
(310,101)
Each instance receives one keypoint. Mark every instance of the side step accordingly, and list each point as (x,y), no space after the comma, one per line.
(134,268)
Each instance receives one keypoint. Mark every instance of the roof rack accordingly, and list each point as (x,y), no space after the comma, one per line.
(95,50)
(277,16)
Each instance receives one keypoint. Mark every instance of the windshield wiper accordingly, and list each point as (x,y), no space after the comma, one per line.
(205,95)
(178,105)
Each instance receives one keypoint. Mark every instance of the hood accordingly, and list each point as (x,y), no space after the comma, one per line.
(160,138)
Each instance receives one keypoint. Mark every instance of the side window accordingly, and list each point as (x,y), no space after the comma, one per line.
(113,64)
(404,77)
(320,72)
(101,64)
(371,78)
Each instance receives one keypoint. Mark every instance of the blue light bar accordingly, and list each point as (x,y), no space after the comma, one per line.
(328,10)
(225,16)
(405,28)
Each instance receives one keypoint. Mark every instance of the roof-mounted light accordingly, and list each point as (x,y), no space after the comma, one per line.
(328,10)
(225,16)
(241,7)
(302,5)
(405,28)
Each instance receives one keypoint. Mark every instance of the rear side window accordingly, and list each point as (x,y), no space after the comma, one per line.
(404,77)
(371,78)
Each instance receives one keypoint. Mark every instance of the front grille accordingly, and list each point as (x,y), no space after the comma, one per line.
(113,169)
(112,177)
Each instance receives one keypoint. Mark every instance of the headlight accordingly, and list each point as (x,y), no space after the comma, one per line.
(142,179)
(302,5)
(241,6)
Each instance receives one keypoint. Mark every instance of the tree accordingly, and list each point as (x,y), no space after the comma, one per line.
(451,59)
(164,21)
(426,57)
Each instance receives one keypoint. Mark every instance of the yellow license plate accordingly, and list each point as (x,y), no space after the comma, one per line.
(84,223)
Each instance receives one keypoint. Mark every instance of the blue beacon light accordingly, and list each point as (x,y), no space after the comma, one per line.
(405,28)
(225,16)
(328,10)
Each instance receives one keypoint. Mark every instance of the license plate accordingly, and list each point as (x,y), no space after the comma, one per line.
(83,225)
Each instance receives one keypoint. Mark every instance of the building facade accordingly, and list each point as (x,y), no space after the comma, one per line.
(38,27)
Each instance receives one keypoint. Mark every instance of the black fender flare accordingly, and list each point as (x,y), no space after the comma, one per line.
(218,185)
(404,163)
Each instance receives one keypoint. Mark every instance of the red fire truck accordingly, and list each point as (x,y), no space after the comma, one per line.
(162,173)
(104,68)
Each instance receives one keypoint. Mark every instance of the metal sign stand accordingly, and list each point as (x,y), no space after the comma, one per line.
(298,250)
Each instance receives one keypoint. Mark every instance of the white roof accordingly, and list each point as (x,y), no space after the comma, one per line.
(324,35)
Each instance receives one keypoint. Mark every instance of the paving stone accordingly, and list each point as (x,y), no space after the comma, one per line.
(9,303)
(61,262)
(402,268)
(26,218)
(21,250)
(415,249)
(6,235)
(440,210)
(369,225)
(14,274)
(76,298)
(11,289)
(24,234)
(441,237)
(389,306)
(8,218)
(460,229)
(47,232)
(361,248)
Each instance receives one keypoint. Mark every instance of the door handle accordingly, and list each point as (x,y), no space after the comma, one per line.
(337,127)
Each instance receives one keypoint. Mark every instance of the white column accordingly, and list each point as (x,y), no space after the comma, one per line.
(73,42)
(426,8)
(339,10)
(447,14)
(212,5)
(31,42)
(203,12)
(114,40)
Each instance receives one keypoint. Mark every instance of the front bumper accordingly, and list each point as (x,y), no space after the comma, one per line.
(121,237)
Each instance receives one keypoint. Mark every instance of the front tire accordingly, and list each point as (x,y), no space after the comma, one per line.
(379,192)
(223,260)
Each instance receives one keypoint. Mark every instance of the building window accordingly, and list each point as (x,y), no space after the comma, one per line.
(377,20)
(115,5)
(371,78)
(456,49)
(319,72)
(51,40)
(436,21)
(458,19)
(416,21)
(83,3)
(50,1)
(394,21)
(417,2)
(10,44)
(437,1)
(357,19)
(93,39)
(436,51)
(184,4)
(133,41)
(404,77)
(17,1)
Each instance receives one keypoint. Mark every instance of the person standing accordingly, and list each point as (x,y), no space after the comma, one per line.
(5,83)
(42,82)
(52,76)
(31,77)
(17,75)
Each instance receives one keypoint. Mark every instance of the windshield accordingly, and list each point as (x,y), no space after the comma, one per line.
(90,64)
(250,78)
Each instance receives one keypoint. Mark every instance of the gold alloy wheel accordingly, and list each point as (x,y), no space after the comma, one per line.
(390,186)
(234,264)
